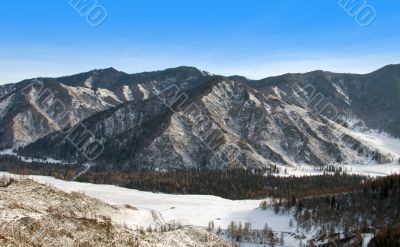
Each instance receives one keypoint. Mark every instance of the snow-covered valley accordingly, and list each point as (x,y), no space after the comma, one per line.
(195,210)
(155,209)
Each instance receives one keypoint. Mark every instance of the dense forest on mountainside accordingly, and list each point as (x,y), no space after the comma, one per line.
(345,216)
(233,184)
(15,165)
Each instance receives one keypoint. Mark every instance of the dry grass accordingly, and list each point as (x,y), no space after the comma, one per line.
(33,214)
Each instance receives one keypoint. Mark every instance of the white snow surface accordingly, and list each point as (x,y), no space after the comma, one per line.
(367,238)
(143,209)
(371,169)
(191,210)
(376,140)
(86,98)
(89,82)
(104,93)
(255,100)
(382,141)
(144,91)
(277,92)
(343,94)
(126,90)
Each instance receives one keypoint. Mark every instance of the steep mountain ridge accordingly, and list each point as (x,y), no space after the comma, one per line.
(186,118)
(27,108)
(369,97)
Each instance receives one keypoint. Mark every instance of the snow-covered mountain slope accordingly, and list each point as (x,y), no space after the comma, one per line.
(225,124)
(34,108)
(372,98)
(185,118)
(38,214)
(6,89)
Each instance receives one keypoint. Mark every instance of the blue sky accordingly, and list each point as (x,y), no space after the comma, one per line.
(255,38)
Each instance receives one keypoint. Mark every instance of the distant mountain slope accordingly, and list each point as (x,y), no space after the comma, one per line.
(24,116)
(372,97)
(186,118)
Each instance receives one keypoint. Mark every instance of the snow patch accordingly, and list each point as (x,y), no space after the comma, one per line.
(33,100)
(4,105)
(126,90)
(104,93)
(372,169)
(277,92)
(343,94)
(381,141)
(367,237)
(144,91)
(374,139)
(86,98)
(254,99)
(89,82)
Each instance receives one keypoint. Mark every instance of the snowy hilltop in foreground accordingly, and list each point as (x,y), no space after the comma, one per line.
(33,214)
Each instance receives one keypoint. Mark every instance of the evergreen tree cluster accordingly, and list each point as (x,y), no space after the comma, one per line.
(231,184)
(15,165)
(372,209)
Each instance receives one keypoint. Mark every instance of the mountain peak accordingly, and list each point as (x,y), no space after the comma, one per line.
(184,69)
(110,69)
(105,71)
(391,68)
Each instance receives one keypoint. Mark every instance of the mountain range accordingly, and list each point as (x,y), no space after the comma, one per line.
(185,118)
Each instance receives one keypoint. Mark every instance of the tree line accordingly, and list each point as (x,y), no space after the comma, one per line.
(231,184)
